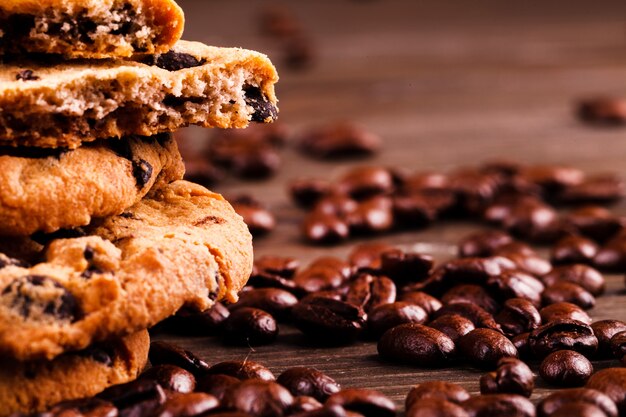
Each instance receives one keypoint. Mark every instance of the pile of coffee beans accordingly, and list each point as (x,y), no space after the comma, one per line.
(522,200)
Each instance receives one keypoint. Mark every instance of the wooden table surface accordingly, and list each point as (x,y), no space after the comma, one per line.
(446,84)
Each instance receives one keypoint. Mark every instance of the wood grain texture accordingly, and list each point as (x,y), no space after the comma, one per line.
(445,84)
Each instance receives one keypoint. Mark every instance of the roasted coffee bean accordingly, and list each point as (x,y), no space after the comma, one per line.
(595,222)
(259,220)
(553,177)
(328,321)
(163,353)
(175,61)
(171,377)
(552,403)
(322,274)
(516,284)
(417,209)
(141,395)
(328,411)
(522,345)
(264,110)
(279,22)
(563,334)
(405,267)
(518,315)
(325,228)
(525,258)
(436,390)
(39,297)
(303,404)
(246,155)
(86,407)
(421,181)
(247,326)
(618,346)
(215,384)
(599,189)
(385,316)
(452,325)
(470,293)
(202,171)
(574,250)
(368,402)
(565,368)
(275,301)
(338,140)
(283,266)
(260,279)
(509,405)
(475,270)
(337,204)
(485,347)
(568,292)
(198,323)
(368,291)
(245,369)
(612,382)
(366,181)
(602,111)
(604,330)
(299,52)
(612,256)
(258,398)
(578,409)
(426,301)
(474,190)
(374,215)
(563,311)
(436,408)
(511,377)
(367,256)
(470,311)
(416,344)
(307,192)
(483,243)
(587,277)
(308,382)
(187,405)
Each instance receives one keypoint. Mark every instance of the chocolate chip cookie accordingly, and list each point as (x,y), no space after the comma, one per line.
(62,104)
(89,29)
(35,386)
(44,190)
(180,246)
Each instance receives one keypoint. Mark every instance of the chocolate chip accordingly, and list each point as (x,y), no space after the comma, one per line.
(174,61)
(26,75)
(142,171)
(263,108)
(98,354)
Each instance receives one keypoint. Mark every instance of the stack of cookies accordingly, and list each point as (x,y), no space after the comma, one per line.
(101,237)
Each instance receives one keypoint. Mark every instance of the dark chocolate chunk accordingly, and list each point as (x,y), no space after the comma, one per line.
(263,109)
(174,61)
(142,171)
(26,75)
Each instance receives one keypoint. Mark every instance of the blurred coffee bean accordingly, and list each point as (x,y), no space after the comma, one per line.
(426,181)
(474,270)
(405,267)
(163,353)
(367,256)
(516,284)
(245,154)
(283,266)
(618,346)
(366,181)
(367,402)
(139,397)
(322,274)
(339,140)
(512,376)
(436,407)
(563,311)
(604,330)
(245,369)
(426,301)
(470,293)
(328,321)
(278,21)
(303,404)
(325,228)
(553,177)
(87,407)
(573,250)
(605,111)
(612,382)
(587,277)
(307,192)
(258,398)
(452,325)
(474,190)
(552,403)
(187,405)
(259,220)
(275,301)
(568,292)
(600,189)
(416,344)
(304,381)
(518,315)
(417,209)
(247,326)
(578,409)
(483,243)
(595,222)
(525,258)
(509,405)
(565,368)
(172,378)
(299,52)
(215,384)
(374,215)
(474,313)
(328,411)
(563,334)
(385,316)
(368,291)
(197,323)
(485,347)
(202,171)
(338,204)
(522,345)
(612,256)
(436,390)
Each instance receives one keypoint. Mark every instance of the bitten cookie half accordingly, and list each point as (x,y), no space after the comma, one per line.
(62,104)
(180,246)
(89,28)
(35,386)
(43,190)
